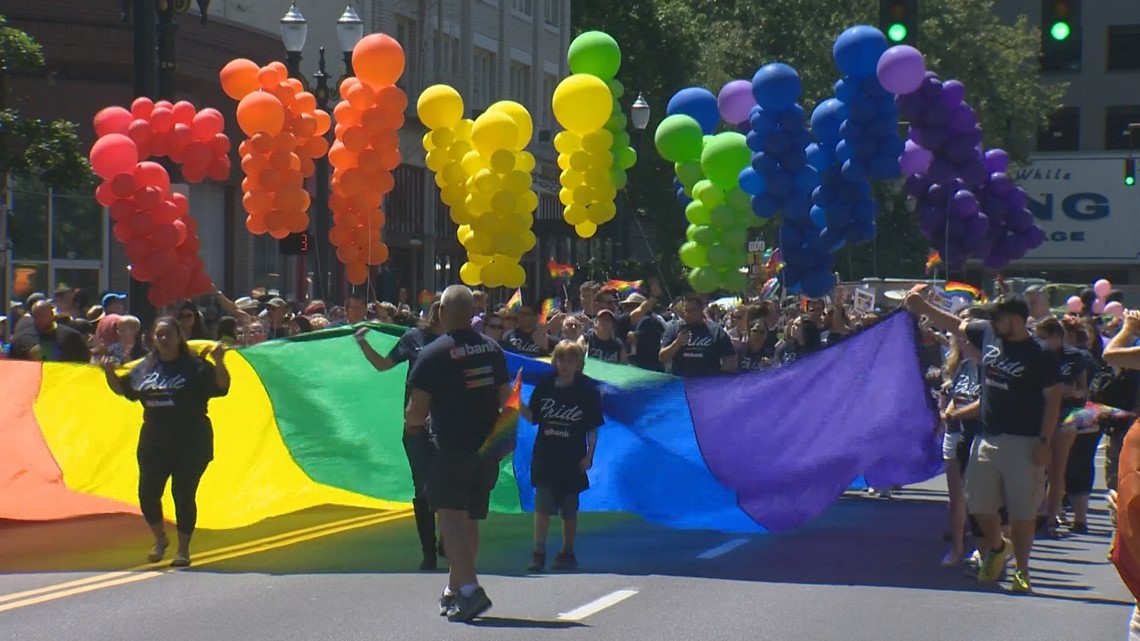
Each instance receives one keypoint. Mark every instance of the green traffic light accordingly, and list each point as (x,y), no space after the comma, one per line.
(1060,30)
(1129,180)
(897,32)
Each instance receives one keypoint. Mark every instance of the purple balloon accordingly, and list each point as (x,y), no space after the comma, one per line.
(915,159)
(964,204)
(1013,246)
(941,170)
(997,160)
(1020,221)
(936,115)
(953,92)
(961,119)
(976,234)
(932,86)
(1016,199)
(958,150)
(1034,237)
(973,172)
(996,260)
(735,101)
(1000,184)
(932,138)
(901,69)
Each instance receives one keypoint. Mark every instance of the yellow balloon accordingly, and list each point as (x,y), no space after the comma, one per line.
(429,144)
(565,196)
(586,229)
(442,138)
(440,180)
(606,192)
(576,214)
(596,178)
(563,161)
(478,259)
(503,203)
(527,202)
(515,276)
(602,212)
(492,274)
(473,162)
(523,121)
(478,244)
(460,215)
(598,141)
(521,220)
(603,160)
(453,195)
(493,130)
(582,103)
(503,161)
(487,182)
(462,129)
(458,150)
(525,162)
(567,142)
(517,181)
(584,195)
(478,203)
(439,106)
(529,240)
(436,160)
(572,179)
(580,160)
(469,274)
(453,173)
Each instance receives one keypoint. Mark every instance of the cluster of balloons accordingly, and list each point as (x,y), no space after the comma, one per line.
(870,144)
(153,223)
(286,132)
(194,140)
(365,153)
(484,174)
(597,53)
(583,104)
(968,206)
(708,168)
(1098,302)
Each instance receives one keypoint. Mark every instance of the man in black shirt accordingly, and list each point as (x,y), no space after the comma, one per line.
(461,380)
(698,347)
(527,337)
(1021,396)
(44,339)
(417,445)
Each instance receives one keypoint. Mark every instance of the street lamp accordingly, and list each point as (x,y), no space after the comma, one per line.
(639,116)
(350,31)
(294,32)
(639,113)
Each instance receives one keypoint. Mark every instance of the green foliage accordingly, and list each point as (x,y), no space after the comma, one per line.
(671,44)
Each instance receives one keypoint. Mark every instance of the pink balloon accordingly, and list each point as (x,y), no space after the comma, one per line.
(1074,304)
(112,120)
(1102,288)
(112,155)
(735,101)
(1098,306)
(1114,309)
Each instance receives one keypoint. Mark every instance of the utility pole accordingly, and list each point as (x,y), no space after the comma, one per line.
(145,46)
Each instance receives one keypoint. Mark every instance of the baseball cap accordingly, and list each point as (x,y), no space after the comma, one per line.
(633,299)
(605,312)
(110,296)
(245,303)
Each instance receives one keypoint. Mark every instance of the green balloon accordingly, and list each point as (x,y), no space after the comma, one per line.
(595,53)
(719,256)
(704,280)
(709,194)
(738,200)
(722,216)
(724,157)
(702,234)
(621,138)
(678,138)
(626,158)
(616,88)
(733,236)
(694,255)
(697,213)
(689,173)
(739,255)
(734,281)
(617,122)
(618,177)
(690,231)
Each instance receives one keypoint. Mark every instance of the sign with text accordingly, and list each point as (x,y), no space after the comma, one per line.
(864,300)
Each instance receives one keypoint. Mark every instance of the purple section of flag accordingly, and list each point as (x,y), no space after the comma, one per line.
(790,440)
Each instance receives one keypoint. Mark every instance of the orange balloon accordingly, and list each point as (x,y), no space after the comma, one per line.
(355,139)
(391,157)
(377,253)
(256,225)
(315,147)
(249,183)
(377,218)
(357,273)
(296,84)
(360,96)
(392,100)
(352,182)
(291,177)
(347,253)
(337,236)
(279,234)
(284,141)
(261,143)
(370,161)
(386,139)
(257,203)
(378,60)
(239,78)
(272,75)
(269,179)
(291,199)
(324,121)
(374,121)
(280,160)
(304,103)
(308,167)
(305,126)
(296,221)
(347,84)
(260,112)
(345,114)
(285,93)
(340,157)
(245,148)
(274,219)
(384,182)
(252,164)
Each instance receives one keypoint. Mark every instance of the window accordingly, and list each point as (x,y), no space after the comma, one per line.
(549,82)
(520,83)
(525,7)
(1062,132)
(553,13)
(76,227)
(448,65)
(1124,48)
(1116,135)
(406,35)
(483,78)
(30,225)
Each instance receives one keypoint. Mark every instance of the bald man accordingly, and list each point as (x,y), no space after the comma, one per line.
(46,340)
(461,379)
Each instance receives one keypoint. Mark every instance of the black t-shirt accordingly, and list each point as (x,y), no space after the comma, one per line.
(522,342)
(965,389)
(565,415)
(1015,375)
(1073,362)
(59,344)
(750,361)
(647,340)
(408,349)
(607,350)
(462,371)
(786,352)
(708,343)
(175,395)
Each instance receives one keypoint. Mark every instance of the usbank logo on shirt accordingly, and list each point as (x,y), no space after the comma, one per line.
(463,351)
(554,411)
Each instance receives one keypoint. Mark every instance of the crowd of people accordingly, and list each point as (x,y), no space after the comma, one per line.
(1005,377)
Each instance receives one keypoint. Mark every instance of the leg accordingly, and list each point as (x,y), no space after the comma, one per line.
(984,500)
(569,523)
(1022,485)
(418,449)
(957,512)
(153,474)
(541,529)
(1023,534)
(1062,443)
(1080,476)
(460,552)
(184,489)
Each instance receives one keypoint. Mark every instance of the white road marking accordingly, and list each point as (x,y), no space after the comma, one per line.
(597,605)
(722,549)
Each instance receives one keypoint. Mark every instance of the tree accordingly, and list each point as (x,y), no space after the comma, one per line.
(713,41)
(47,150)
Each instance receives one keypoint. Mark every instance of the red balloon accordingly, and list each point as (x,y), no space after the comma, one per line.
(161,119)
(159,261)
(139,224)
(139,131)
(220,145)
(158,147)
(180,202)
(165,213)
(219,169)
(137,248)
(180,227)
(120,210)
(157,296)
(141,108)
(148,198)
(121,231)
(198,154)
(207,124)
(194,174)
(151,174)
(113,154)
(112,120)
(164,236)
(200,283)
(191,245)
(104,195)
(191,225)
(180,138)
(165,104)
(176,279)
(124,185)
(184,112)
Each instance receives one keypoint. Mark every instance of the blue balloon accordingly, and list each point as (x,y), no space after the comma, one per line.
(806,180)
(826,120)
(873,88)
(857,51)
(818,217)
(863,211)
(796,208)
(861,110)
(819,157)
(763,122)
(791,239)
(699,104)
(755,141)
(750,181)
(844,151)
(817,283)
(776,86)
(764,206)
(846,91)
(837,216)
(779,182)
(801,138)
(763,162)
(792,119)
(833,238)
(776,143)
(793,161)
(884,166)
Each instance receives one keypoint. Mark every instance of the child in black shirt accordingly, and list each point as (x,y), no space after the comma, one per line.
(568,410)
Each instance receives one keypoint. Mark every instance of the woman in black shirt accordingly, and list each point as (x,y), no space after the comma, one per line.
(176,442)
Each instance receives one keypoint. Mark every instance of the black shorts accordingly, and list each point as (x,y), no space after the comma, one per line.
(548,500)
(462,481)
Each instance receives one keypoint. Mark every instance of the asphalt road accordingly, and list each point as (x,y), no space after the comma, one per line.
(867,570)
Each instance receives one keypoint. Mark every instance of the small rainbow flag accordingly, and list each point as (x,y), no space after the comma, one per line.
(559,270)
(425,299)
(624,286)
(769,288)
(501,441)
(775,262)
(962,290)
(549,306)
(515,301)
(933,261)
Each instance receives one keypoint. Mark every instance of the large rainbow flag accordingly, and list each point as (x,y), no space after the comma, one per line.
(309,422)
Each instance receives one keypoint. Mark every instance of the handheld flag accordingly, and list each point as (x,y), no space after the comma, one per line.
(515,301)
(775,262)
(933,261)
(769,288)
(962,290)
(560,270)
(624,287)
(549,306)
(501,441)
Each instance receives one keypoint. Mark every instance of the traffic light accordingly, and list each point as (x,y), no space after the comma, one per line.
(294,244)
(899,20)
(1061,35)
(1129,171)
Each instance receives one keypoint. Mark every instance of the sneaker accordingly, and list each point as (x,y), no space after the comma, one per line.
(467,608)
(1079,527)
(1020,583)
(446,602)
(972,564)
(565,561)
(537,562)
(994,563)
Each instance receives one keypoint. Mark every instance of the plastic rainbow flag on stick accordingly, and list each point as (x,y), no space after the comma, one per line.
(501,441)
(515,301)
(962,290)
(933,261)
(769,288)
(560,270)
(1092,414)
(549,306)
(624,287)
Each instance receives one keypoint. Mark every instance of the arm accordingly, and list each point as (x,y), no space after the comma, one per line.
(591,445)
(649,304)
(113,380)
(1052,418)
(230,307)
(669,351)
(1120,352)
(381,363)
(943,320)
(221,373)
(955,413)
(623,356)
